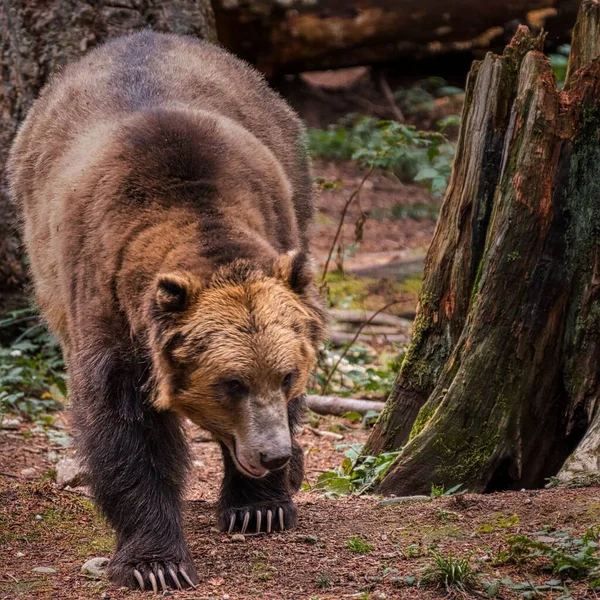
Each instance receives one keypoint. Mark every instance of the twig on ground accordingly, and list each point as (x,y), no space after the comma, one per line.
(339,339)
(320,433)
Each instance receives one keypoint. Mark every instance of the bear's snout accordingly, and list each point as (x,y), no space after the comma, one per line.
(275,460)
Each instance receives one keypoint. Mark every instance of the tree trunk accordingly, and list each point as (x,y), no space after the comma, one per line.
(38,37)
(295,35)
(502,379)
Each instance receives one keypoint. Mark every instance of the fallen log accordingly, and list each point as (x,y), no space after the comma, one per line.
(295,35)
(335,405)
(341,338)
(360,316)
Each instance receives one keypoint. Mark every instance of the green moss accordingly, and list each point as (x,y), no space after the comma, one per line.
(419,372)
(25,588)
(431,534)
(369,293)
(463,455)
(422,419)
(475,287)
(498,522)
(592,512)
(592,321)
(101,544)
(583,241)
(412,284)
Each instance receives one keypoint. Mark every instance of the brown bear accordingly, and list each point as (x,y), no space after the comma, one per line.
(165,198)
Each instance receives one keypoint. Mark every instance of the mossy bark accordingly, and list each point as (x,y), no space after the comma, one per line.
(36,39)
(454,261)
(505,361)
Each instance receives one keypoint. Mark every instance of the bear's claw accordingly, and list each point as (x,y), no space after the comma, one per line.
(260,519)
(156,576)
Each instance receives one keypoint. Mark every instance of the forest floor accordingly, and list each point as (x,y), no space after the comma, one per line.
(44,526)
(351,547)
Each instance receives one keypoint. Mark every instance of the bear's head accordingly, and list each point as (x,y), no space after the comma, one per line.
(231,353)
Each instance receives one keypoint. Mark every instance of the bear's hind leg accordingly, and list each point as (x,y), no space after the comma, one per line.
(136,459)
(265,504)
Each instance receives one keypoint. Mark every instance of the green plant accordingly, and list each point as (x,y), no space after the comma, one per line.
(323,580)
(420,98)
(412,551)
(417,212)
(444,515)
(408,153)
(32,378)
(346,350)
(357,474)
(437,491)
(526,589)
(564,556)
(498,522)
(261,571)
(359,371)
(358,545)
(559,62)
(450,572)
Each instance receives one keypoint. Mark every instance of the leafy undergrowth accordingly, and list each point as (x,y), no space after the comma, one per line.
(32,377)
(450,572)
(558,552)
(357,474)
(360,371)
(345,290)
(407,153)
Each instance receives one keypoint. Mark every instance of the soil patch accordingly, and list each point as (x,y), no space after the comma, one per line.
(42,526)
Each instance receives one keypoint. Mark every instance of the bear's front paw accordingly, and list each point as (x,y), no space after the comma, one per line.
(256,518)
(152,574)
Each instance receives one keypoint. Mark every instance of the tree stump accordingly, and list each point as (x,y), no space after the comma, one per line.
(37,38)
(502,380)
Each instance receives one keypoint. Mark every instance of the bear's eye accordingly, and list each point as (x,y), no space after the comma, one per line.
(287,381)
(235,388)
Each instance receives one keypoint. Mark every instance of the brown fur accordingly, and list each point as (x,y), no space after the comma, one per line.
(165,199)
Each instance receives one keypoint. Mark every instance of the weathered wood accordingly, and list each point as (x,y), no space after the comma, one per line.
(37,38)
(335,405)
(294,35)
(341,338)
(586,41)
(503,370)
(360,316)
(458,243)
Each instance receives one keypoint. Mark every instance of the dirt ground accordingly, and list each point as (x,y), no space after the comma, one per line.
(43,526)
(379,198)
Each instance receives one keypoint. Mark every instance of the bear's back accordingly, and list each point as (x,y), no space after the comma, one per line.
(70,151)
(145,71)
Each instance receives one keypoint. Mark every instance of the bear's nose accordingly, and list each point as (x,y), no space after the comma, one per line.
(274,461)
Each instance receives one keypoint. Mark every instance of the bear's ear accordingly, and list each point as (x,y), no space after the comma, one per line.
(174,292)
(295,269)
